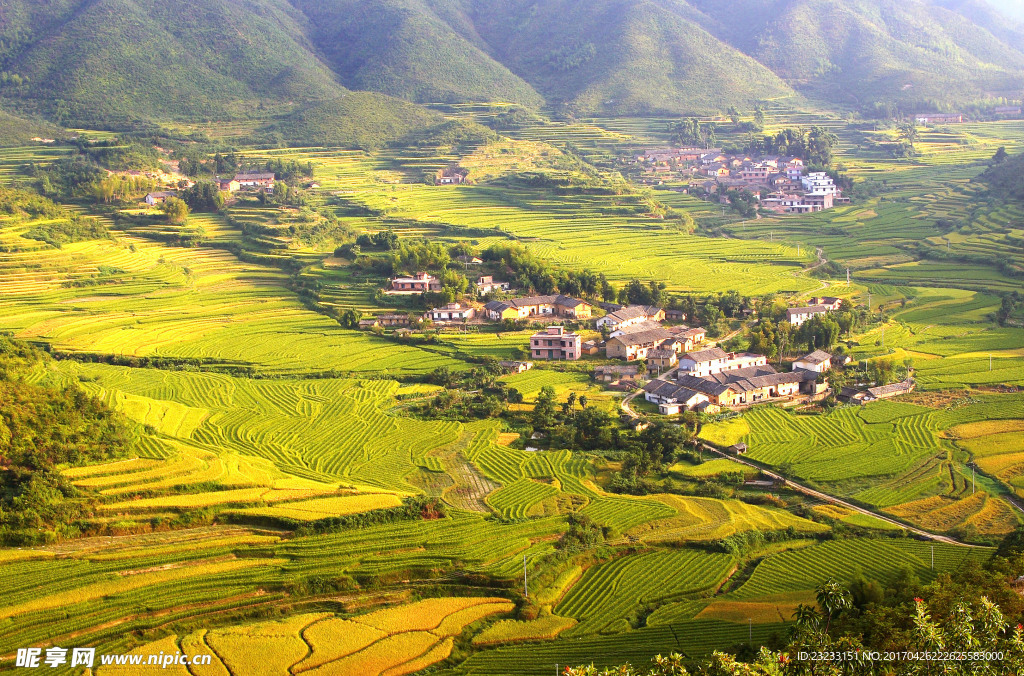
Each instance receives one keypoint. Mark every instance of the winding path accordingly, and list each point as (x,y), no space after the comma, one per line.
(800,488)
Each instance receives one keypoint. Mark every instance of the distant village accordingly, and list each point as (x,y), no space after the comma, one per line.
(689,374)
(781,184)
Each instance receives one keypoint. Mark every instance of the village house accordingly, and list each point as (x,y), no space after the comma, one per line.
(891,390)
(672,399)
(630,316)
(818,182)
(615,372)
(486,284)
(798,315)
(537,306)
(689,338)
(636,345)
(938,118)
(228,185)
(452,312)
(393,319)
(590,347)
(418,283)
(674,315)
(554,343)
(662,359)
(154,198)
(515,366)
(255,180)
(715,360)
(368,323)
(818,361)
(737,387)
(830,302)
(451,175)
(469,260)
(1006,111)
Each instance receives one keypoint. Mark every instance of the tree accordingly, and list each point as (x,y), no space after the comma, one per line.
(176,210)
(759,118)
(544,408)
(1000,155)
(204,196)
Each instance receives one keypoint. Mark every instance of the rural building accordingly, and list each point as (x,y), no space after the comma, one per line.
(537,306)
(516,366)
(830,302)
(255,180)
(1006,111)
(486,284)
(739,386)
(590,347)
(820,183)
(818,361)
(689,338)
(469,260)
(662,359)
(368,323)
(452,312)
(674,315)
(892,390)
(716,360)
(393,320)
(228,185)
(635,328)
(636,345)
(616,372)
(451,175)
(629,316)
(420,283)
(938,118)
(739,448)
(798,315)
(554,343)
(154,198)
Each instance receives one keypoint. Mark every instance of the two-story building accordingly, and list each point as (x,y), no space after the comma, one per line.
(716,360)
(798,315)
(452,312)
(418,283)
(636,344)
(818,361)
(486,284)
(555,343)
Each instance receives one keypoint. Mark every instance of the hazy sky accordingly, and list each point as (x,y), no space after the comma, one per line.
(1014,8)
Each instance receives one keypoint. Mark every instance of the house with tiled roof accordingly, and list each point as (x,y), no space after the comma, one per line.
(636,344)
(538,306)
(629,316)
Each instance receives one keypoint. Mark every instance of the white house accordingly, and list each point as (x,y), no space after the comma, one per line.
(818,361)
(798,315)
(716,360)
(452,312)
(819,183)
(630,316)
(486,284)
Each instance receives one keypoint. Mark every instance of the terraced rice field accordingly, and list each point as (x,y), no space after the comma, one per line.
(609,594)
(393,641)
(133,297)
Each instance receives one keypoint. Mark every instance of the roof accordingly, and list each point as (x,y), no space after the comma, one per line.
(806,310)
(669,390)
(164,193)
(617,368)
(498,306)
(641,337)
(710,354)
(893,388)
(632,312)
(816,357)
(692,333)
(255,176)
(556,299)
(661,354)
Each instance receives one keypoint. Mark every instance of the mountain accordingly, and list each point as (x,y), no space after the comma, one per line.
(120,60)
(292,64)
(622,56)
(861,51)
(413,49)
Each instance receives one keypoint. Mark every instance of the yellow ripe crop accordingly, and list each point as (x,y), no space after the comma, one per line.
(510,631)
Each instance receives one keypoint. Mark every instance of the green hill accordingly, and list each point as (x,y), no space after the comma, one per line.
(411,49)
(115,63)
(621,56)
(357,119)
(122,60)
(861,51)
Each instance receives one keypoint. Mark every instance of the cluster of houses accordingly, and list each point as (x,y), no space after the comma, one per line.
(786,188)
(709,380)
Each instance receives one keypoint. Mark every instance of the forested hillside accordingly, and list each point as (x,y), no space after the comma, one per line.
(118,62)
